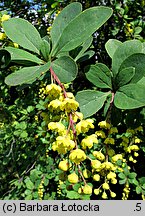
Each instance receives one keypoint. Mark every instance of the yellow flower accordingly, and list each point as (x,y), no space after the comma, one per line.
(125,139)
(133,148)
(86,173)
(111,175)
(73,178)
(69,105)
(105,186)
(95,164)
(63,145)
(5,17)
(111,152)
(96,191)
(100,134)
(109,140)
(96,177)
(136,154)
(99,155)
(89,141)
(140,128)
(53,90)
(104,195)
(113,130)
(114,181)
(55,105)
(87,189)
(49,29)
(107,166)
(63,165)
(84,125)
(57,127)
(117,157)
(131,131)
(16,45)
(80,190)
(2,36)
(76,116)
(137,140)
(104,124)
(77,156)
(112,194)
(70,95)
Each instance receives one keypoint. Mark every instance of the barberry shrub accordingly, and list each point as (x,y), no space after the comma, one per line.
(87,158)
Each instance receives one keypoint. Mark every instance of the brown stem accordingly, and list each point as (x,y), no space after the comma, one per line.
(80,172)
(71,122)
(58,81)
(108,118)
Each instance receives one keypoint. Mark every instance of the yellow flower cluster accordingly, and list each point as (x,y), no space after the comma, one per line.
(104,125)
(99,155)
(72,137)
(77,156)
(41,190)
(117,157)
(84,125)
(86,189)
(53,91)
(73,178)
(126,192)
(63,144)
(57,127)
(59,187)
(69,105)
(88,141)
(63,165)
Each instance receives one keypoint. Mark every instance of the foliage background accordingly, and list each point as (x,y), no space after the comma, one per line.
(24,159)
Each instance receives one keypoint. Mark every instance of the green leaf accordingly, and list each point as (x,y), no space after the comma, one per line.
(26,75)
(91,101)
(23,57)
(29,197)
(82,27)
(138,190)
(87,55)
(142,81)
(24,33)
(24,134)
(125,50)
(76,186)
(124,76)
(63,19)
(132,175)
(29,184)
(5,58)
(142,180)
(45,49)
(135,182)
(111,46)
(73,195)
(130,96)
(143,47)
(65,68)
(121,175)
(28,192)
(22,125)
(123,181)
(99,76)
(84,47)
(138,62)
(137,30)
